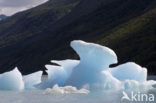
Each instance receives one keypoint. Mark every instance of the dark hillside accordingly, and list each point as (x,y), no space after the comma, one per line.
(135,40)
(32,38)
(2,16)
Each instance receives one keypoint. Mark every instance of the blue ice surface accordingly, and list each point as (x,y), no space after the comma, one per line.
(58,74)
(93,71)
(32,79)
(11,80)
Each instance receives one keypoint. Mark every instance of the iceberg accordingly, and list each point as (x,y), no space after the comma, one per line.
(129,71)
(32,79)
(67,65)
(93,59)
(110,82)
(133,85)
(91,72)
(65,90)
(11,80)
(58,74)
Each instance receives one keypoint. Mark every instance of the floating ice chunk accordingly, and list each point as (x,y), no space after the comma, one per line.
(32,79)
(67,65)
(93,71)
(11,80)
(133,85)
(93,59)
(65,90)
(58,74)
(129,71)
(111,82)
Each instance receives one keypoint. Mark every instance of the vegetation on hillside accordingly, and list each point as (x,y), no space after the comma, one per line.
(135,40)
(32,38)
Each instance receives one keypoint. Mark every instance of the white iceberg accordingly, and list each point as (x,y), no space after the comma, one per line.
(92,72)
(32,79)
(110,82)
(67,65)
(113,84)
(11,80)
(58,74)
(129,71)
(133,85)
(65,90)
(93,59)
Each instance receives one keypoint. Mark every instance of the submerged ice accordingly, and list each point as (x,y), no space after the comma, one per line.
(91,72)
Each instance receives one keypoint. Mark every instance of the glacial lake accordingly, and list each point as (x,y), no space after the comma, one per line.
(38,96)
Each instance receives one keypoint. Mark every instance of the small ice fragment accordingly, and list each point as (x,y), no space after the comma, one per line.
(58,74)
(33,79)
(11,80)
(65,90)
(129,71)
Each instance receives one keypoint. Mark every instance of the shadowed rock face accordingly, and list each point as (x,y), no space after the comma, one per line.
(32,38)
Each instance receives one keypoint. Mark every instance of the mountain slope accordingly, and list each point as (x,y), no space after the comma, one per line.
(2,17)
(32,38)
(29,23)
(22,27)
(135,40)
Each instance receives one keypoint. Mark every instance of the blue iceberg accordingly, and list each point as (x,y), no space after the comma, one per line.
(91,72)
(11,80)
(32,79)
